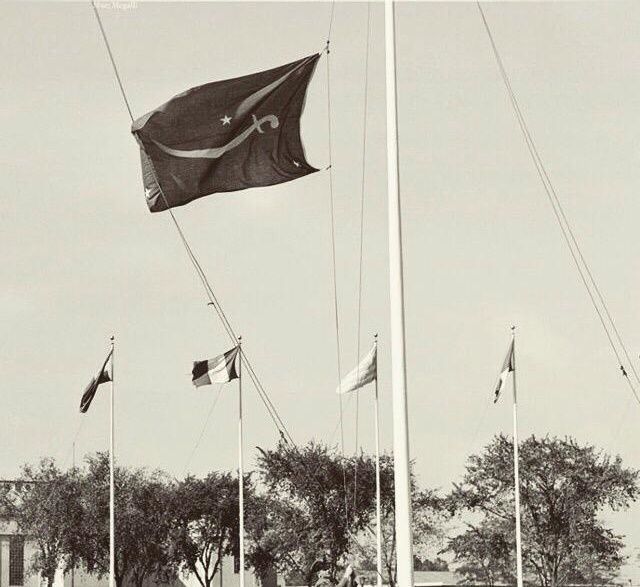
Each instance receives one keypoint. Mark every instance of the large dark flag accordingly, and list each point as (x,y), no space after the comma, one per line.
(225,136)
(90,390)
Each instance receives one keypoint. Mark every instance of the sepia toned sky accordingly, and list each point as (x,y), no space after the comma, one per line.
(84,259)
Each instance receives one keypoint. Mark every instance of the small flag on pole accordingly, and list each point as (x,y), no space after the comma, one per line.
(508,366)
(90,390)
(221,369)
(364,373)
(225,136)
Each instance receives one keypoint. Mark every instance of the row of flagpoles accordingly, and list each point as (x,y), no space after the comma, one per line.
(228,366)
(248,133)
(224,369)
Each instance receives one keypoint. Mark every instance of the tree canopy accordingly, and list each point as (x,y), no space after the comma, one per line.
(564,488)
(204,523)
(309,512)
(330,512)
(45,505)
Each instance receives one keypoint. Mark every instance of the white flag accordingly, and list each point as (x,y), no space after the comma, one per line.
(364,373)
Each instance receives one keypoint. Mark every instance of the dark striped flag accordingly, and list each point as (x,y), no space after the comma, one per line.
(225,136)
(221,369)
(90,391)
(508,366)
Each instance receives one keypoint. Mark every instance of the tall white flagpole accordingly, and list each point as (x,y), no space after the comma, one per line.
(112,524)
(240,464)
(516,470)
(402,481)
(378,507)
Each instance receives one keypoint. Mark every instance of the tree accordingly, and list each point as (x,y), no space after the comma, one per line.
(428,517)
(330,513)
(141,525)
(318,486)
(205,523)
(436,564)
(271,537)
(93,532)
(485,553)
(45,504)
(563,488)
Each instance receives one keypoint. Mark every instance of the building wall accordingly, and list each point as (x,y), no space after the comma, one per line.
(10,577)
(226,579)
(80,578)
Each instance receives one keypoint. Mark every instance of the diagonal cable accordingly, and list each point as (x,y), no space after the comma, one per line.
(277,420)
(579,260)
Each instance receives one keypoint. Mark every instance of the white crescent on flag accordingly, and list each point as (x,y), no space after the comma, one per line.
(216,152)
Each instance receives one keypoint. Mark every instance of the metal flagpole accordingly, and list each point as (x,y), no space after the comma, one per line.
(378,509)
(402,481)
(240,464)
(112,525)
(73,558)
(516,471)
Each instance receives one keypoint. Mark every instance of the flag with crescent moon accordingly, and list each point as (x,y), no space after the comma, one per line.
(225,136)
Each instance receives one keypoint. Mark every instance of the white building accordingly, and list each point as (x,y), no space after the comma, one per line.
(17,551)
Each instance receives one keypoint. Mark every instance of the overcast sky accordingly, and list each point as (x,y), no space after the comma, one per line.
(84,258)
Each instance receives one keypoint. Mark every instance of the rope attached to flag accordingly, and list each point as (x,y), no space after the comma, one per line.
(360,260)
(203,429)
(333,253)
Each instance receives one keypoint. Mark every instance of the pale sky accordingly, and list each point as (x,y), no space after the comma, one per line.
(84,258)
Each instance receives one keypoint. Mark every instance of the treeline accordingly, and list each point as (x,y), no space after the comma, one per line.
(307,508)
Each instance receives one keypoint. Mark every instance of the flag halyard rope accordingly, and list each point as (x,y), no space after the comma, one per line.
(361,248)
(203,429)
(113,61)
(333,257)
(585,274)
(69,453)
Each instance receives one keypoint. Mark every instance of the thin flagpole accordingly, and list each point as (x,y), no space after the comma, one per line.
(378,507)
(240,464)
(112,525)
(402,478)
(516,470)
(73,556)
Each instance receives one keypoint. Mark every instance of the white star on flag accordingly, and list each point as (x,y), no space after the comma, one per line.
(226,120)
